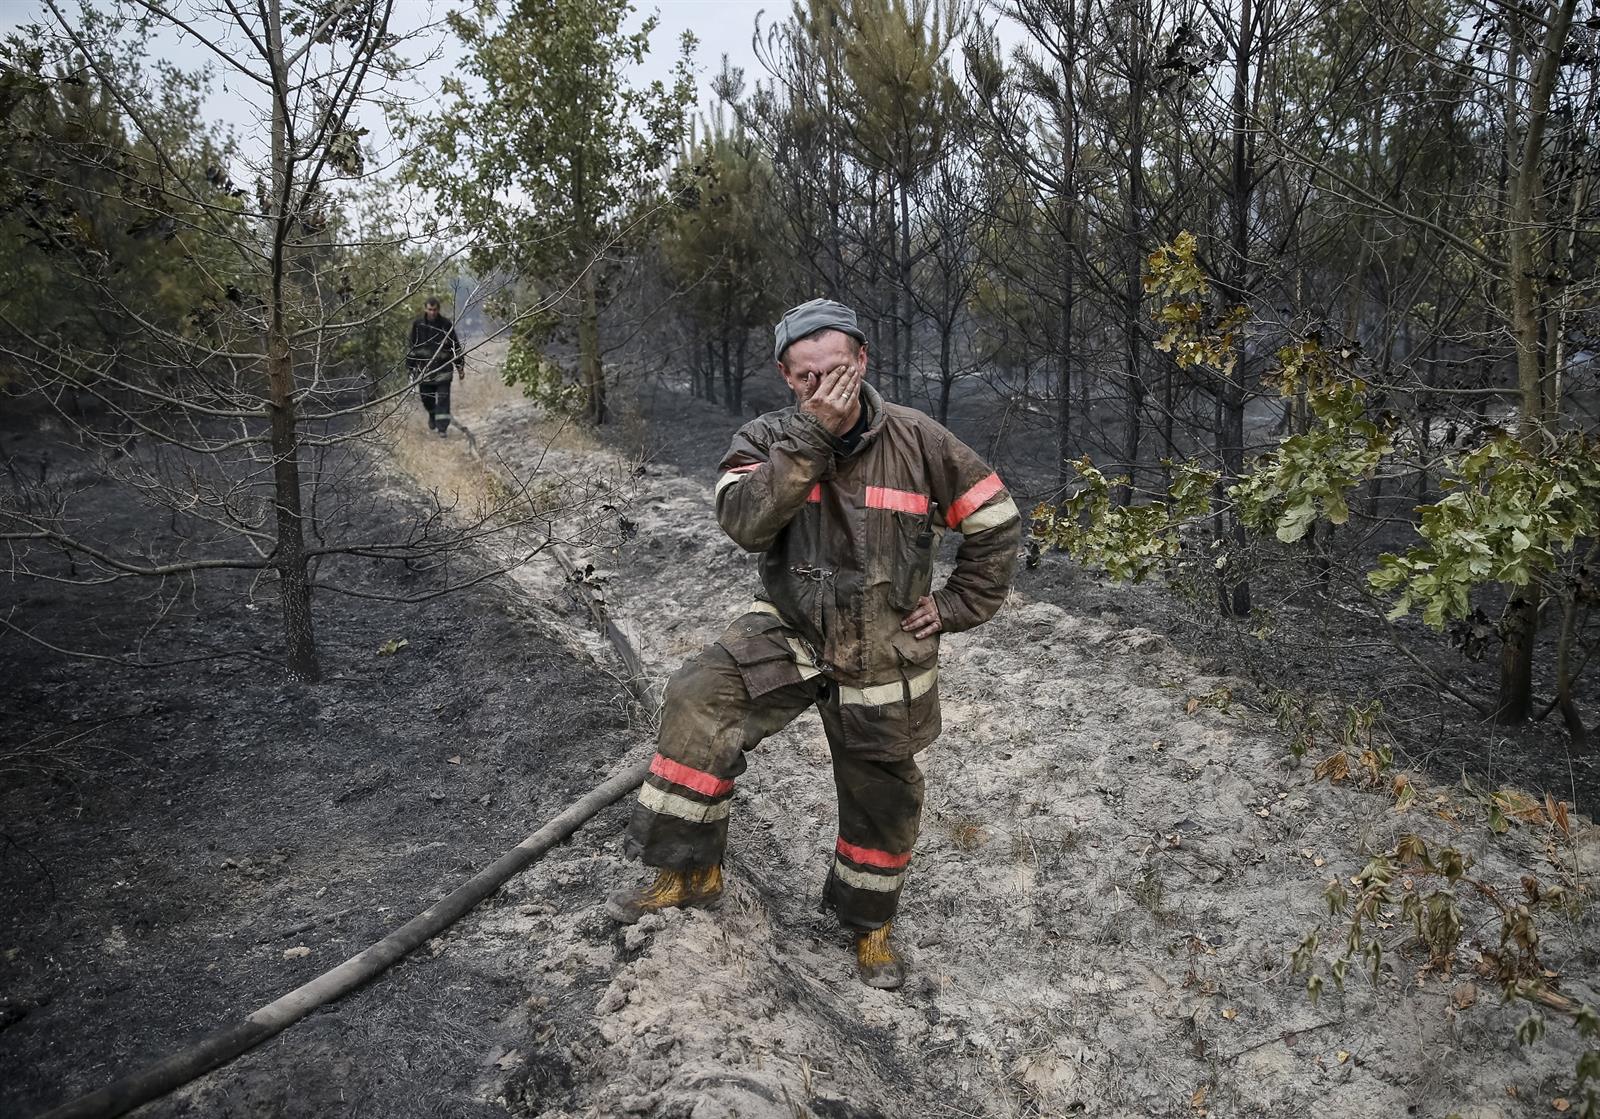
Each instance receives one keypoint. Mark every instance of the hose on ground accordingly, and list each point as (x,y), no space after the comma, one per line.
(223,1046)
(217,1049)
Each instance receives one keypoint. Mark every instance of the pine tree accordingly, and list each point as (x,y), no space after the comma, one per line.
(546,156)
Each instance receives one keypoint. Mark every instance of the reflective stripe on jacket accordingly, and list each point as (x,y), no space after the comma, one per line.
(848,540)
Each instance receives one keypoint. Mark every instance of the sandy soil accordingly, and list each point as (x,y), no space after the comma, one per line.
(1108,884)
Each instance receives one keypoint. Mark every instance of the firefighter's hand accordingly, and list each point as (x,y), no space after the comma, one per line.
(924,620)
(833,401)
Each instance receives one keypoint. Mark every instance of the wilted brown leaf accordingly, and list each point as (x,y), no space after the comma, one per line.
(1335,767)
(1561,1103)
(1465,995)
(1230,1013)
(1518,805)
(1198,1100)
(1343,1055)
(1405,793)
(1558,814)
(1192,706)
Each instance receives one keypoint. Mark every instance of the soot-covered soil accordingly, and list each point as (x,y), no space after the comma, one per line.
(181,845)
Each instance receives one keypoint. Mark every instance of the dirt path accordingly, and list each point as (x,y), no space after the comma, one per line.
(1114,866)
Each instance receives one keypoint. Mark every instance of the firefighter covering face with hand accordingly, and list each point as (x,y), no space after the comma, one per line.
(845,497)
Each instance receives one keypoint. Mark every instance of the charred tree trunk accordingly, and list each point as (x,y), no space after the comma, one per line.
(1521,625)
(946,373)
(1064,368)
(736,395)
(594,382)
(903,309)
(289,554)
(1234,593)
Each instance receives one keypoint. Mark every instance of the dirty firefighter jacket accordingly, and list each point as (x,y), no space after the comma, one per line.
(434,352)
(848,543)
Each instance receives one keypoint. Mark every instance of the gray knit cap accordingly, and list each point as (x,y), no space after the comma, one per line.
(808,318)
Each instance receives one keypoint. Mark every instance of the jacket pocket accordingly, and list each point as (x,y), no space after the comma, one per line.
(911,559)
(761,653)
(919,683)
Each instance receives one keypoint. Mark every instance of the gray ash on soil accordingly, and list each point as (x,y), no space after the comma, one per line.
(197,823)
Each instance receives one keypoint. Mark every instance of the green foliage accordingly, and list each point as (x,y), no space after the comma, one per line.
(720,236)
(550,163)
(1193,331)
(1308,476)
(898,93)
(1512,516)
(1516,511)
(540,379)
(546,159)
(368,284)
(1128,542)
(105,233)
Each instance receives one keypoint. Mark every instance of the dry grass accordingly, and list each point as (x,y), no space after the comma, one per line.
(968,835)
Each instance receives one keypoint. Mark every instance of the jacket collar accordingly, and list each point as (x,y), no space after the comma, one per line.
(877,415)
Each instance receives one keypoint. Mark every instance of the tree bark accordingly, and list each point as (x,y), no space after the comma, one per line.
(736,396)
(946,373)
(594,383)
(289,554)
(1133,290)
(903,309)
(1234,594)
(590,373)
(1064,469)
(1569,709)
(1520,627)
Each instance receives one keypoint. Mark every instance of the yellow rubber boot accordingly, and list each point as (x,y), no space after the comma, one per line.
(699,889)
(876,960)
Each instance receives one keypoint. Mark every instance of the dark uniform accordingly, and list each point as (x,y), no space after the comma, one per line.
(433,357)
(847,527)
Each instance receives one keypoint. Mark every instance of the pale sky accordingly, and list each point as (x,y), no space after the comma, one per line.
(722,26)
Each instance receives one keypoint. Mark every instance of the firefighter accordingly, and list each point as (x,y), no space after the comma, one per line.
(845,497)
(433,356)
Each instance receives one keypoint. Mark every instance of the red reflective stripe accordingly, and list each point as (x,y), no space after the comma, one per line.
(967,504)
(869,857)
(901,501)
(816,493)
(680,774)
(744,469)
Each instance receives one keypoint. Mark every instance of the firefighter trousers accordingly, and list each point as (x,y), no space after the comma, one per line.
(722,704)
(436,399)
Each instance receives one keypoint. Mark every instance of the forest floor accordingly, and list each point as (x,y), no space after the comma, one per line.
(1117,858)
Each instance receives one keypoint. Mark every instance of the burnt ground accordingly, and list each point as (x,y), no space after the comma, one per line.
(205,819)
(1329,647)
(168,835)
